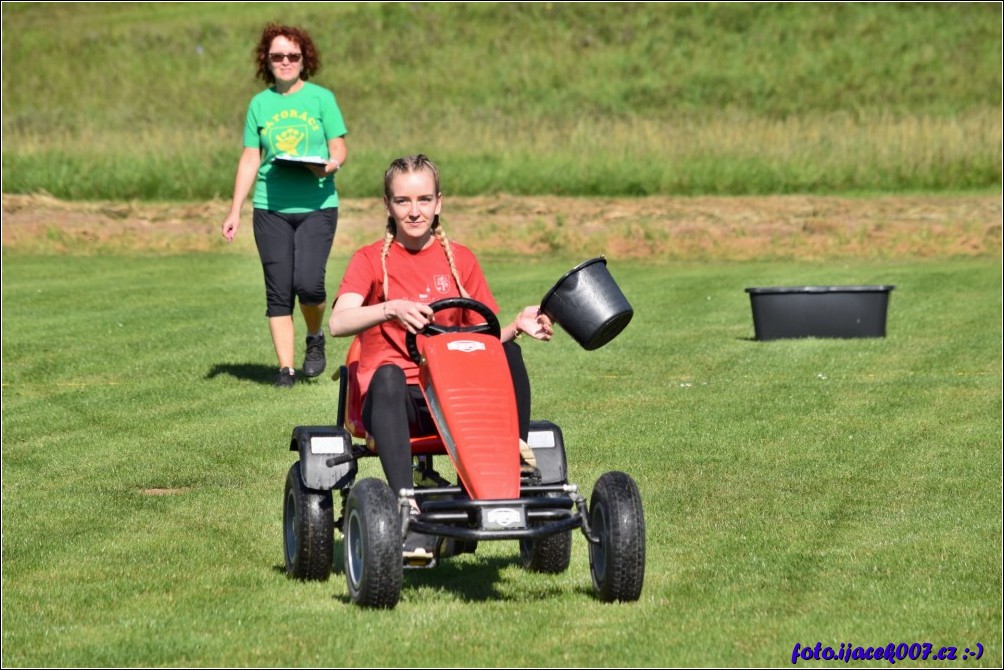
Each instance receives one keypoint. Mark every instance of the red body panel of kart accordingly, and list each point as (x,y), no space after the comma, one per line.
(465,379)
(466,382)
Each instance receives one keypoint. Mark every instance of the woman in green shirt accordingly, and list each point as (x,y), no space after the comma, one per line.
(294,143)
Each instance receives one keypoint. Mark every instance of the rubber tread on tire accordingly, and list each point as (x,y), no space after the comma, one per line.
(308,528)
(374,565)
(617,563)
(550,555)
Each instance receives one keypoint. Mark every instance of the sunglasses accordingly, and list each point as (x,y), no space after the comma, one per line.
(278,58)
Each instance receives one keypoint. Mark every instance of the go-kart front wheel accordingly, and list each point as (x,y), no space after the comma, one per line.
(308,529)
(617,561)
(374,568)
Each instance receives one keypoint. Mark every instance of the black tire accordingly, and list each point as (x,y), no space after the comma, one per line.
(308,529)
(617,562)
(449,546)
(550,554)
(374,565)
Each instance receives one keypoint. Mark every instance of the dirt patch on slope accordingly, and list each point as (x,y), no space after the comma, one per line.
(728,228)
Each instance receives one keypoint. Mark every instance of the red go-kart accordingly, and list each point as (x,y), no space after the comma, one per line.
(465,380)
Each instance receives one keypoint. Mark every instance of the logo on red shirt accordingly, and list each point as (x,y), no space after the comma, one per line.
(442,283)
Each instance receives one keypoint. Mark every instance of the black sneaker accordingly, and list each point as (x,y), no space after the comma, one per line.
(314,362)
(285,378)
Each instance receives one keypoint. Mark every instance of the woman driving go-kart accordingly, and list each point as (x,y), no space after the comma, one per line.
(431,372)
(385,294)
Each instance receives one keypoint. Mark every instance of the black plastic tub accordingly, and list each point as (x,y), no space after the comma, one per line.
(783,312)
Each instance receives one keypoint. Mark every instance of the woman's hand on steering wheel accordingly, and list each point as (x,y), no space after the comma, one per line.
(414,316)
(490,326)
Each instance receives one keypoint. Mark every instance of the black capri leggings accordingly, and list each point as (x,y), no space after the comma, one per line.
(294,250)
(395,411)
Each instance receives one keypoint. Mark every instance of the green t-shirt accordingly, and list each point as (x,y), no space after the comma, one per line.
(298,124)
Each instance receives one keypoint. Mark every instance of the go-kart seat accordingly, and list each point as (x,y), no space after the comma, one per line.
(353,409)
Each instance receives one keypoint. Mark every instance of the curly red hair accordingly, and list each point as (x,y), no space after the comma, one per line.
(311,59)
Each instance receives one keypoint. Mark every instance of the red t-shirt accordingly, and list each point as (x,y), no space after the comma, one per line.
(420,276)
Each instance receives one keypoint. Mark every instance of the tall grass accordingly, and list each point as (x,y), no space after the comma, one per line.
(794,491)
(147,101)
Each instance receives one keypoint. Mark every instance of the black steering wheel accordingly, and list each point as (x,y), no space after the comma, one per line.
(490,326)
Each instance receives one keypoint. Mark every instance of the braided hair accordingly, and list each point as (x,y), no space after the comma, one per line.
(404,165)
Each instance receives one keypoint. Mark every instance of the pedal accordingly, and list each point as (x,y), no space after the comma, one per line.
(419,551)
(419,562)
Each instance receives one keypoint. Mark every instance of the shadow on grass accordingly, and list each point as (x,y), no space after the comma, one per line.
(477,579)
(253,372)
(469,581)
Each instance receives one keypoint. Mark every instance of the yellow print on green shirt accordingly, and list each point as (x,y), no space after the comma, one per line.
(293,135)
(289,140)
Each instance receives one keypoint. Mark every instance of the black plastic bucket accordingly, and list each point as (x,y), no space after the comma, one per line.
(588,304)
(781,312)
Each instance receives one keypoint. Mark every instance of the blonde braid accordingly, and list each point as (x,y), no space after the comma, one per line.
(445,242)
(388,239)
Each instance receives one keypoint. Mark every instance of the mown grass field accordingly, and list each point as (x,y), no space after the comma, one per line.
(794,491)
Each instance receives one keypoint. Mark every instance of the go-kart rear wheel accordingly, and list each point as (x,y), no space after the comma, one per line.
(449,546)
(617,562)
(308,529)
(550,554)
(374,567)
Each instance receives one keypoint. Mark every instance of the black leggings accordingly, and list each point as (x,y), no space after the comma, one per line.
(294,251)
(395,411)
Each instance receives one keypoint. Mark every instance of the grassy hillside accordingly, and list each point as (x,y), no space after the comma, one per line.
(147,100)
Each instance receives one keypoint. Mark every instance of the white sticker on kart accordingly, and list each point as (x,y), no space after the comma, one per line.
(466,346)
(540,439)
(327,445)
(505,517)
